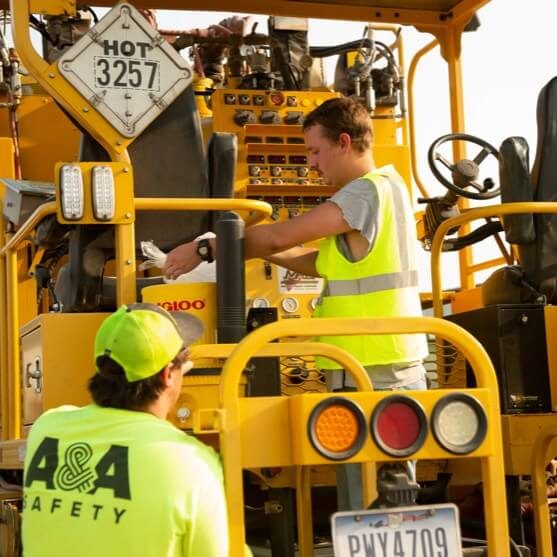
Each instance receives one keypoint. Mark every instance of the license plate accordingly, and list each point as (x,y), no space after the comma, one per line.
(420,531)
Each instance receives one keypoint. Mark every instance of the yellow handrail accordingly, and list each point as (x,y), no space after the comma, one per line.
(411,119)
(29,225)
(285,349)
(12,373)
(261,209)
(232,420)
(472,350)
(4,400)
(300,349)
(468,216)
(544,543)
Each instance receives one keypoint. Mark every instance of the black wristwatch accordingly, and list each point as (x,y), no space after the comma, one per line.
(205,251)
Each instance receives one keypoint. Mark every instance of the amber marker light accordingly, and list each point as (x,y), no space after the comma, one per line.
(399,425)
(337,428)
(459,423)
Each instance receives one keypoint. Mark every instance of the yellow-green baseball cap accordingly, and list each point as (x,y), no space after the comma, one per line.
(144,338)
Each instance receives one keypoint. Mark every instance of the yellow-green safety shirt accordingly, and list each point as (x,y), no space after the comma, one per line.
(103,482)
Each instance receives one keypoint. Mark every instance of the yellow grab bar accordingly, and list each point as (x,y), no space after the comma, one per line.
(257,210)
(468,216)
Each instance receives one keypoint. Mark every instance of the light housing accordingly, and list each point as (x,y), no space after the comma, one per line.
(337,428)
(71,192)
(459,423)
(399,425)
(103,193)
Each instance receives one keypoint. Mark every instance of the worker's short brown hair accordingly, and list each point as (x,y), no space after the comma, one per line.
(343,115)
(109,386)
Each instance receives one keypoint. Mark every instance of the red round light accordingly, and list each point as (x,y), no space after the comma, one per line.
(399,425)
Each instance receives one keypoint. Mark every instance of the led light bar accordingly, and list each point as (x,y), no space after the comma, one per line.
(71,189)
(399,425)
(459,423)
(337,428)
(102,183)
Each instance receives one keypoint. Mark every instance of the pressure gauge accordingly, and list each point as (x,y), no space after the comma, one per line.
(183,413)
(260,303)
(289,305)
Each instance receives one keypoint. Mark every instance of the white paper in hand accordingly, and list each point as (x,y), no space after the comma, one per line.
(155,257)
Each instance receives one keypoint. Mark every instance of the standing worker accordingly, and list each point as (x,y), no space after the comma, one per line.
(366,256)
(115,478)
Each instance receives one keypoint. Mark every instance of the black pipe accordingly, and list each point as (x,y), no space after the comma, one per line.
(231,281)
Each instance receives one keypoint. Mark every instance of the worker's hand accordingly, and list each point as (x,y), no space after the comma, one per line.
(180,260)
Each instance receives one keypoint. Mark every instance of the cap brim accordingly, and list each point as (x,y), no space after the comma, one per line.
(189,327)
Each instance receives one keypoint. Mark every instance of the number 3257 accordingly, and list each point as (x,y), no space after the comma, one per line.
(118,72)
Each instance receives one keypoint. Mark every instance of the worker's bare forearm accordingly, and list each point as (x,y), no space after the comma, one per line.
(298,259)
(263,240)
(272,240)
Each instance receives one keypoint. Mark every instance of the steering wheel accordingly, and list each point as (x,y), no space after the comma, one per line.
(465,172)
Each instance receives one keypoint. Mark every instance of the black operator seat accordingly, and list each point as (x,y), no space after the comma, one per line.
(169,160)
(534,235)
(544,180)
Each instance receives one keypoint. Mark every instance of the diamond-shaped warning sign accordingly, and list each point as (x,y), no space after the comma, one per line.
(126,70)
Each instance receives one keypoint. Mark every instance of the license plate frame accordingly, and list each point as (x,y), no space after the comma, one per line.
(414,531)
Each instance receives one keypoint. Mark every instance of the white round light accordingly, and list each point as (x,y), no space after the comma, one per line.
(458,423)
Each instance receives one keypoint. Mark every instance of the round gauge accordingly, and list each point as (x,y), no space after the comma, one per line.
(313,303)
(183,413)
(260,303)
(289,305)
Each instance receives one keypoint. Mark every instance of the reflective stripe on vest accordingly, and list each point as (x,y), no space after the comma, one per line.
(367,285)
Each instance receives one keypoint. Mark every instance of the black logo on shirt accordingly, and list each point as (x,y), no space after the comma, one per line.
(75,473)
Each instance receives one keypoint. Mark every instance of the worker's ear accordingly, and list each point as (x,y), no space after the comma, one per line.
(345,141)
(166,375)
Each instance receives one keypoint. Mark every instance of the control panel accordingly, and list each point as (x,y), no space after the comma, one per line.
(272,166)
(241,107)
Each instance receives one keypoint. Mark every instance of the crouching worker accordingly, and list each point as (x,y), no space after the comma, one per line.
(115,478)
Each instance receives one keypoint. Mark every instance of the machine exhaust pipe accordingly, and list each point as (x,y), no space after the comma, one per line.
(231,281)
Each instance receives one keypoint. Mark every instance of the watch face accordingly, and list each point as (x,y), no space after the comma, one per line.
(204,250)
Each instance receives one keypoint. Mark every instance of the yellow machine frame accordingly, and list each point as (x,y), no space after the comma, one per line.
(235,417)
(240,419)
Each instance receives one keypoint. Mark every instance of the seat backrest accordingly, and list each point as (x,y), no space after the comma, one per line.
(169,160)
(535,235)
(516,186)
(544,181)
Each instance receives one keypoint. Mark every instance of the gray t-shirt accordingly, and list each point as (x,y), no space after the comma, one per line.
(360,208)
(359,204)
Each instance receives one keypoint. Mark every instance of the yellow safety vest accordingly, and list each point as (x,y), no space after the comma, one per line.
(382,284)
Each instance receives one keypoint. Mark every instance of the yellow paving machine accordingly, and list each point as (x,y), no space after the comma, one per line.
(119,137)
